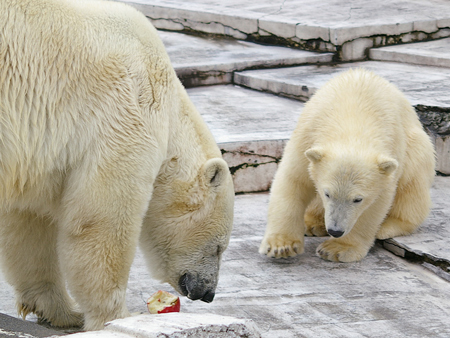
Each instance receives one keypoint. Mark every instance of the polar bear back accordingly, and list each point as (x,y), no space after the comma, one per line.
(371,111)
(62,64)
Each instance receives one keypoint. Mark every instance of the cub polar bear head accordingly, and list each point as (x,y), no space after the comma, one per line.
(188,227)
(348,182)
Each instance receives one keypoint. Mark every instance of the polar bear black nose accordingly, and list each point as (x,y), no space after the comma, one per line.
(195,288)
(208,297)
(335,233)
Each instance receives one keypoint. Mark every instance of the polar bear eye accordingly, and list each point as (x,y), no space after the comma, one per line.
(357,200)
(327,195)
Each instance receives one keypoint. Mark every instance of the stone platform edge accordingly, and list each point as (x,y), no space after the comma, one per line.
(348,43)
(177,325)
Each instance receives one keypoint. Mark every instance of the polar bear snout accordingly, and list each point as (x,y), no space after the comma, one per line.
(196,288)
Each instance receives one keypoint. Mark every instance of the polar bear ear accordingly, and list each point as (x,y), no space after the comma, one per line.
(215,171)
(314,154)
(387,165)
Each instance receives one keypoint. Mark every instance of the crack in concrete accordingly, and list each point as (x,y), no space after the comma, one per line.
(280,8)
(439,266)
(255,164)
(249,153)
(259,29)
(350,12)
(235,169)
(186,23)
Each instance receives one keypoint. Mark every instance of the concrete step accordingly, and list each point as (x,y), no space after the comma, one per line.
(426,87)
(431,53)
(251,129)
(206,61)
(423,85)
(176,325)
(347,29)
(430,244)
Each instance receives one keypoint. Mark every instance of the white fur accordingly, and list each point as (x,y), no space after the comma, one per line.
(95,126)
(360,159)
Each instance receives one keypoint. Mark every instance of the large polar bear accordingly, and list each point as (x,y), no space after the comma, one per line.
(360,154)
(96,134)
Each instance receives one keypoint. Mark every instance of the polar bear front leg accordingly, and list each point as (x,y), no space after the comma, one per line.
(285,231)
(30,264)
(97,242)
(412,201)
(346,249)
(96,260)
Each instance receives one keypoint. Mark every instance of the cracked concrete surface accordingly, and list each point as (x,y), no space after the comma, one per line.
(207,61)
(253,164)
(349,28)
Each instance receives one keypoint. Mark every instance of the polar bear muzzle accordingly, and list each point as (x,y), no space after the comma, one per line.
(195,288)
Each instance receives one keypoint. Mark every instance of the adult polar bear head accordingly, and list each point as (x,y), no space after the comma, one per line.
(190,228)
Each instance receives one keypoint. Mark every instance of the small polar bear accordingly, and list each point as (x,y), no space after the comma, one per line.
(101,149)
(361,166)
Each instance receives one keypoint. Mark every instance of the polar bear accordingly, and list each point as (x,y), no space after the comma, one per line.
(361,160)
(101,149)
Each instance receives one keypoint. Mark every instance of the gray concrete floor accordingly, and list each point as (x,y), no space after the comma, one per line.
(381,296)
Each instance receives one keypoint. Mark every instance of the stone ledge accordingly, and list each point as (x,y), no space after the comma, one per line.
(431,53)
(253,164)
(176,325)
(349,31)
(200,61)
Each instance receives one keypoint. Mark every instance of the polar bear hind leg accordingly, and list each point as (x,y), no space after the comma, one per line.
(28,244)
(412,201)
(410,208)
(314,218)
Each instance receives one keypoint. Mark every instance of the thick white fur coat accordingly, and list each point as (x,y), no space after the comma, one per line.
(359,166)
(94,126)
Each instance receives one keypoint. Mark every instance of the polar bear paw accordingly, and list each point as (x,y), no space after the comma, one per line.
(335,251)
(281,246)
(57,315)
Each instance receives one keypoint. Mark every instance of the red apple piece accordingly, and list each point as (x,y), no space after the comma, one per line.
(163,302)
